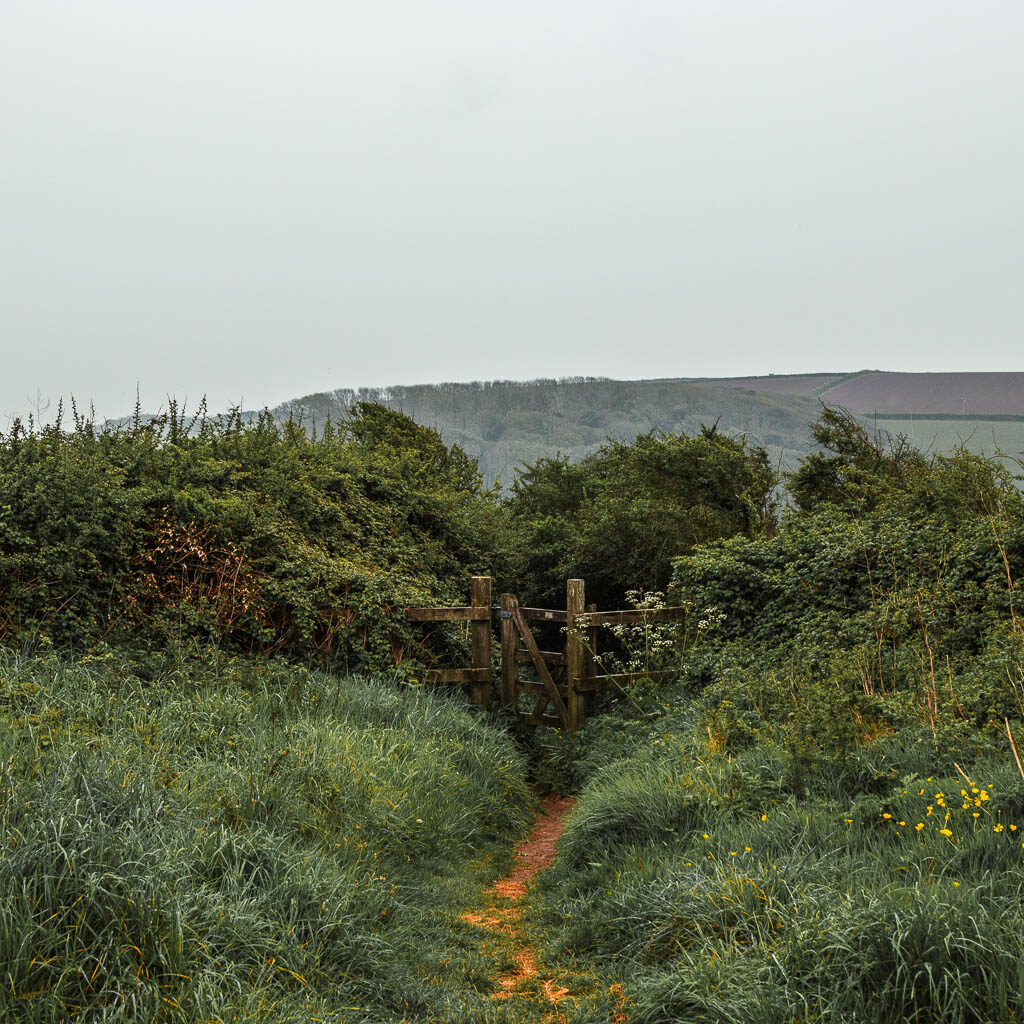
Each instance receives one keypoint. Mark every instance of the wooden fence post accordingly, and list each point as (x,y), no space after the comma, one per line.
(481,632)
(575,603)
(508,651)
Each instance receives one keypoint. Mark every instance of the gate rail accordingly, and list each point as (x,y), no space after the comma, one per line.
(478,614)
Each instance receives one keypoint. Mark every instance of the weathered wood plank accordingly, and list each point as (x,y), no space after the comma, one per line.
(575,603)
(549,720)
(590,651)
(633,616)
(480,599)
(457,675)
(509,669)
(551,657)
(544,614)
(590,683)
(529,686)
(448,614)
(542,670)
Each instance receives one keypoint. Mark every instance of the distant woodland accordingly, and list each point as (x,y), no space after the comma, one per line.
(508,424)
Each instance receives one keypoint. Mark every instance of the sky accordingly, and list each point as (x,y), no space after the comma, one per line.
(256,200)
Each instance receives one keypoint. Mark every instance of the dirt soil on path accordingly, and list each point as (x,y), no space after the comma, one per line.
(523,978)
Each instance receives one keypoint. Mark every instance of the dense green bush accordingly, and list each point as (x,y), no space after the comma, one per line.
(618,518)
(257,537)
(907,590)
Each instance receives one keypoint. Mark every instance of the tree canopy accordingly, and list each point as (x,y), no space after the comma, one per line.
(619,517)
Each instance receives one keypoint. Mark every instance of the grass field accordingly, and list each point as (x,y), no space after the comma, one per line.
(236,841)
(244,842)
(942,436)
(712,891)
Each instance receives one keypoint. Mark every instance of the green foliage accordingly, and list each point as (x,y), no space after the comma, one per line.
(823,819)
(916,583)
(256,537)
(619,517)
(240,841)
(855,470)
(777,835)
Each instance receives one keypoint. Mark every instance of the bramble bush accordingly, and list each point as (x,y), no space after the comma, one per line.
(257,537)
(619,517)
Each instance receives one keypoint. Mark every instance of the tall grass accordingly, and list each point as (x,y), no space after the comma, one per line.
(715,894)
(239,841)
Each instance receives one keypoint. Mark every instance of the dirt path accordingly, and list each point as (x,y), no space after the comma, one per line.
(520,976)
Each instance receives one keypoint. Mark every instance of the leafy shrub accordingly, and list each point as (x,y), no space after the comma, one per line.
(255,537)
(619,517)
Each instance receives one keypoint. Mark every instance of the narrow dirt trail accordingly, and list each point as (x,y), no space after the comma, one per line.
(520,976)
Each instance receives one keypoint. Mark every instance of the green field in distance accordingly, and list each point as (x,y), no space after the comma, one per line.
(941,436)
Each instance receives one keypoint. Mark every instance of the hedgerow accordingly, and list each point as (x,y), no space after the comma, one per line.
(257,537)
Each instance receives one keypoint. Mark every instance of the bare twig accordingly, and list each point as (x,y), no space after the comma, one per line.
(1013,746)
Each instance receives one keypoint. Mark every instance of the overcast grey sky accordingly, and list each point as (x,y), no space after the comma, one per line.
(257,200)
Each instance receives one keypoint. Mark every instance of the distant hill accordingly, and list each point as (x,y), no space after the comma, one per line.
(983,395)
(936,411)
(505,424)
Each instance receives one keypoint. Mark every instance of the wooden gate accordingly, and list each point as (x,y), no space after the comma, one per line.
(565,670)
(555,701)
